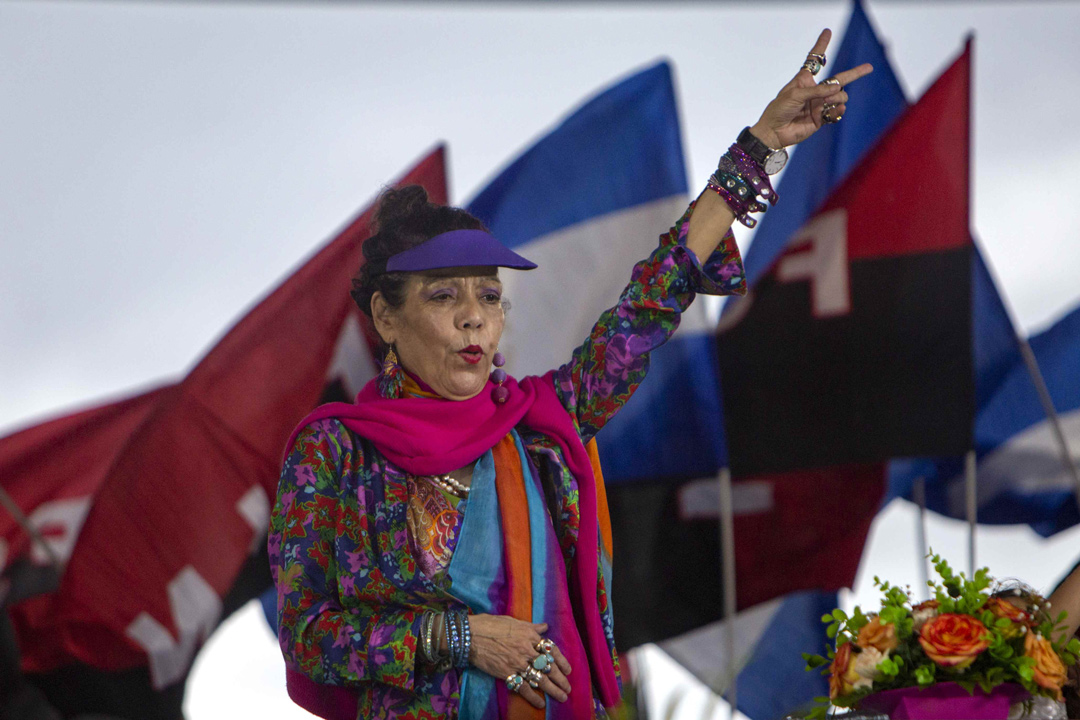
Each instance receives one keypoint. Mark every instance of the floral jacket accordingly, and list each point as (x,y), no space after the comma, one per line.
(350,593)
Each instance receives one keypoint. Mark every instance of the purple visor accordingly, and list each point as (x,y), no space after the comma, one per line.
(457,248)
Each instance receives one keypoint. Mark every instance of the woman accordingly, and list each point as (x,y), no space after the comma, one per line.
(441,546)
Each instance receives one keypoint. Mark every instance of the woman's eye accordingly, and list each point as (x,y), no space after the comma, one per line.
(441,297)
(492,298)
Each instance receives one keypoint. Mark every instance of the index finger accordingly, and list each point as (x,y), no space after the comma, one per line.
(850,76)
(822,43)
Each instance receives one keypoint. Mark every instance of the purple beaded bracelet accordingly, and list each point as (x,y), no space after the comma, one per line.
(736,162)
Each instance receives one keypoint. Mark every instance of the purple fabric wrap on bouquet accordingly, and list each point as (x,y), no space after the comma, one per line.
(945,701)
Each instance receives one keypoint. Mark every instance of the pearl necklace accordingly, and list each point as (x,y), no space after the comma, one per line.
(449,484)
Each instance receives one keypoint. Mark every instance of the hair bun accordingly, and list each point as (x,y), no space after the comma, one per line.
(397,204)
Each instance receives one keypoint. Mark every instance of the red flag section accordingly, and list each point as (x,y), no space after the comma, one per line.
(183,478)
(912,194)
(803,530)
(52,472)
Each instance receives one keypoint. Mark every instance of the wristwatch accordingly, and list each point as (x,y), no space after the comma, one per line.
(771,161)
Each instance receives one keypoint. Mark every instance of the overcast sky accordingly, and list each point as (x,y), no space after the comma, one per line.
(162,165)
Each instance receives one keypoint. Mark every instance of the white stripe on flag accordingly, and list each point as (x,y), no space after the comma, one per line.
(582,270)
(701,651)
(1028,463)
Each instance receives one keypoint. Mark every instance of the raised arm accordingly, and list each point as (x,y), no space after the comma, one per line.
(698,255)
(606,369)
(797,112)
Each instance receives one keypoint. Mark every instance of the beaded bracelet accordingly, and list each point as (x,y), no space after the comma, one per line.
(739,180)
(466,642)
(427,625)
(451,636)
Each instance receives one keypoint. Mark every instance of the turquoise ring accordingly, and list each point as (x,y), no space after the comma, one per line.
(513,682)
(542,663)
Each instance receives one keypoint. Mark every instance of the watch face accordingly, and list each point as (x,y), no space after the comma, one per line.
(776,161)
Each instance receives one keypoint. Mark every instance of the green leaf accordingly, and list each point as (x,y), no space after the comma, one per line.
(827,617)
(814,661)
(831,630)
(839,615)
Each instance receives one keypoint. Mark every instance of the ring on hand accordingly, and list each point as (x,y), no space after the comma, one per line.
(830,81)
(543,662)
(826,114)
(545,646)
(513,682)
(532,676)
(814,63)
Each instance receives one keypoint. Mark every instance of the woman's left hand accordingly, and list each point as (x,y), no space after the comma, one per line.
(796,112)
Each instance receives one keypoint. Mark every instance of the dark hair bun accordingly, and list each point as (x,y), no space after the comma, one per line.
(397,206)
(405,218)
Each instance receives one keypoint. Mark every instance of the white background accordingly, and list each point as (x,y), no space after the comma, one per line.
(163,164)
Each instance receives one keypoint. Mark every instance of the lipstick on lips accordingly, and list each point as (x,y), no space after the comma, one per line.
(472,354)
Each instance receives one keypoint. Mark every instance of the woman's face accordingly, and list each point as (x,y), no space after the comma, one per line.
(448,329)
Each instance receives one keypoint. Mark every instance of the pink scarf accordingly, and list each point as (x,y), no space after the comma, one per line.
(433,436)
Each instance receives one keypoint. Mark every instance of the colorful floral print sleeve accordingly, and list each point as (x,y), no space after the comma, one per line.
(354,572)
(611,363)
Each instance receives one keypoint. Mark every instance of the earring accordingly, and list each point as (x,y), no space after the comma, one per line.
(498,376)
(391,380)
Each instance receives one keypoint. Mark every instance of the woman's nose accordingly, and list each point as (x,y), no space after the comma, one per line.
(469,317)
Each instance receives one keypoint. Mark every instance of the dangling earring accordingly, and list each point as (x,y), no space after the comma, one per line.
(391,379)
(498,376)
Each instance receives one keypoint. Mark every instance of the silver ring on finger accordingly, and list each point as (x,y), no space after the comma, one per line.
(532,676)
(830,81)
(545,646)
(514,682)
(827,116)
(814,62)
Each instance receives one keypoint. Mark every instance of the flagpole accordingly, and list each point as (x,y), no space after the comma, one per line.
(919,491)
(35,537)
(727,550)
(1051,414)
(972,507)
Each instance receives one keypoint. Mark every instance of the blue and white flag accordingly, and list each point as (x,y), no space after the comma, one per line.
(769,640)
(1020,474)
(586,202)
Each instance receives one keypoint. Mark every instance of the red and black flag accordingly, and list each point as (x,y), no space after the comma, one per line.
(855,346)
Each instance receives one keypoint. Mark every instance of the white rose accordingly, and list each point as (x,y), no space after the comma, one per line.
(920,617)
(865,665)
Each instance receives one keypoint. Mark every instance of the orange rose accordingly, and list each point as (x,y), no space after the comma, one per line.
(953,640)
(879,635)
(842,676)
(1002,608)
(1049,671)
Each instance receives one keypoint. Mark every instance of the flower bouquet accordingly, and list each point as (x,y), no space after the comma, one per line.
(972,648)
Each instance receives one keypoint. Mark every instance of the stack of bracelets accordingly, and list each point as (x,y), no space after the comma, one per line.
(740,180)
(458,639)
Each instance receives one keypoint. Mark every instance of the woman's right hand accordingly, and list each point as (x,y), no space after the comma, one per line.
(503,646)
